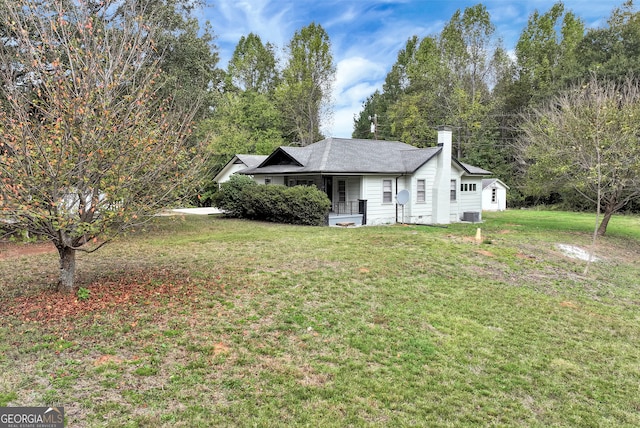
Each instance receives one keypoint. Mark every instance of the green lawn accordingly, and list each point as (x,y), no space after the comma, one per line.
(204,321)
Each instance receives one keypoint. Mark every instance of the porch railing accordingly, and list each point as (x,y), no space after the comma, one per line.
(348,207)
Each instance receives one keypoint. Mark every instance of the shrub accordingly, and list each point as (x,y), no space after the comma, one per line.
(242,197)
(305,205)
(230,196)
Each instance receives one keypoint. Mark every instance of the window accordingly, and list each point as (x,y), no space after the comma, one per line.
(421,191)
(386,191)
(494,196)
(342,191)
(453,190)
(267,180)
(473,187)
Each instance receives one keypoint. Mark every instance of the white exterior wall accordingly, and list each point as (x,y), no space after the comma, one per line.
(352,188)
(228,171)
(260,179)
(377,212)
(500,204)
(455,212)
(470,200)
(422,212)
(404,183)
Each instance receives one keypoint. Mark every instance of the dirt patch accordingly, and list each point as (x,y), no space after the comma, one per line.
(220,348)
(485,253)
(568,304)
(9,250)
(525,256)
(107,359)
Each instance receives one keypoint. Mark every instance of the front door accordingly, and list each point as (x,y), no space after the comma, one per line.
(328,187)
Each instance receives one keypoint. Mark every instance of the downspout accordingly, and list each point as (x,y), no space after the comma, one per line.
(396,198)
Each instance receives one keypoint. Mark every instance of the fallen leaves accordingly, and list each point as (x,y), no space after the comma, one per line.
(148,288)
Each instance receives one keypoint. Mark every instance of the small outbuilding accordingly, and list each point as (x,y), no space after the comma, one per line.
(494,195)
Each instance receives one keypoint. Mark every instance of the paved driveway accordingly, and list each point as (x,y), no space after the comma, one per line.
(196,211)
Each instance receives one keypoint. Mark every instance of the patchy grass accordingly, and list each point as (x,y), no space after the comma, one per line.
(202,321)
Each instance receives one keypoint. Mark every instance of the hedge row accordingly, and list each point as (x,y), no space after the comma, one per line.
(241,197)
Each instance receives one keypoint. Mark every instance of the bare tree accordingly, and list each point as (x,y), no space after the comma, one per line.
(587,140)
(88,148)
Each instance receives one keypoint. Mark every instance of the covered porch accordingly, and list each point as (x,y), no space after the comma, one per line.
(348,212)
(344,192)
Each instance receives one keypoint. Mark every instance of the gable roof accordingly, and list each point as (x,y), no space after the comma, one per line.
(489,181)
(345,155)
(251,161)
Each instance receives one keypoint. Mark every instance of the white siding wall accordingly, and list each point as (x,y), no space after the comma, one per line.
(470,200)
(302,180)
(353,188)
(500,204)
(274,180)
(404,183)
(229,170)
(370,188)
(377,212)
(422,212)
(455,211)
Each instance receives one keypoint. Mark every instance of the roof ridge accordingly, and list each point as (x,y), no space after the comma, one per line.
(325,155)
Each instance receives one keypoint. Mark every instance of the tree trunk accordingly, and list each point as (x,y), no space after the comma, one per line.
(67,269)
(605,222)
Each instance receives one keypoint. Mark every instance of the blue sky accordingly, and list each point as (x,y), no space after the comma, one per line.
(366,35)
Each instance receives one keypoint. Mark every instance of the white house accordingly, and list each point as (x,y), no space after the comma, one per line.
(494,195)
(238,163)
(363,178)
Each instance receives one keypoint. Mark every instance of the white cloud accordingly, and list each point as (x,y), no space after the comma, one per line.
(232,19)
(357,69)
(356,79)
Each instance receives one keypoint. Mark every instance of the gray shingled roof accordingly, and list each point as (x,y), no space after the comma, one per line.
(352,156)
(474,169)
(489,181)
(252,161)
(344,155)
